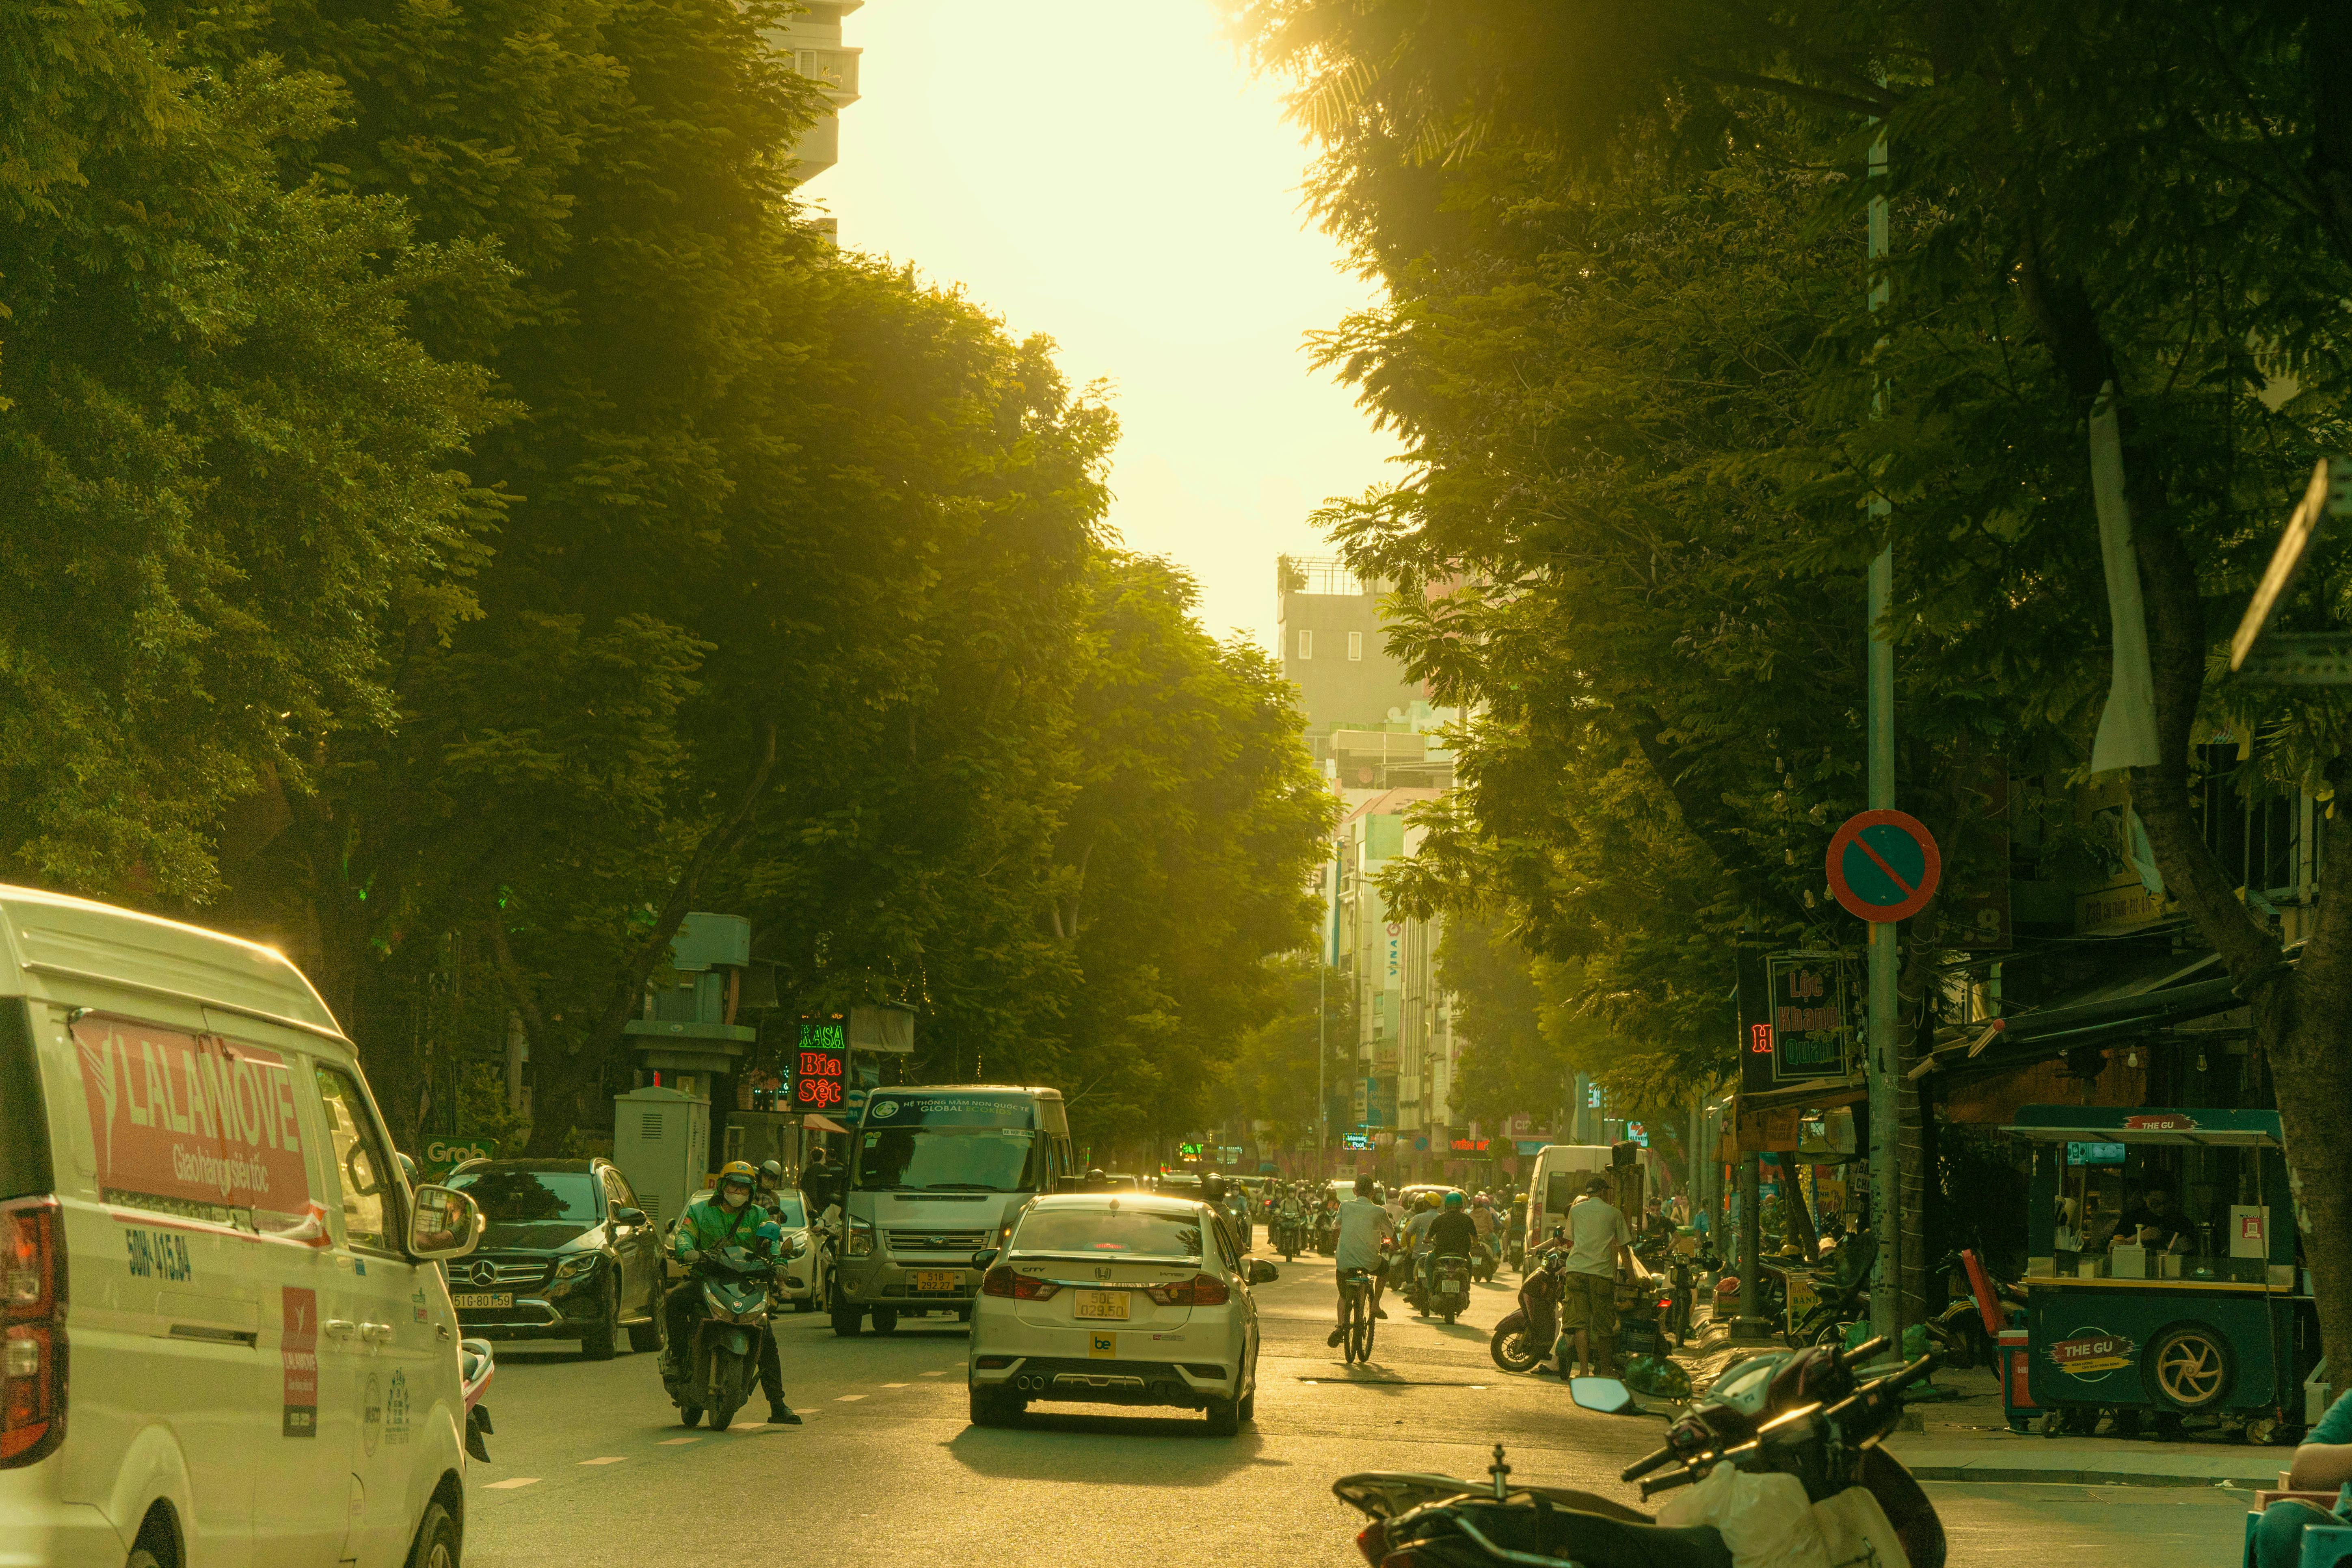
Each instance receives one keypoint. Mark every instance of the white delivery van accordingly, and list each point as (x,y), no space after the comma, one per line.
(223,1337)
(1557,1180)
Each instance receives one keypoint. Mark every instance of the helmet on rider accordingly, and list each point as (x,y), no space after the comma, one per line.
(736,1180)
(771,1175)
(1453,1201)
(1481,1201)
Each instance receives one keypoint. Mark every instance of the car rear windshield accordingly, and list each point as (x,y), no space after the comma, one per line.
(24,1111)
(518,1197)
(1109,1231)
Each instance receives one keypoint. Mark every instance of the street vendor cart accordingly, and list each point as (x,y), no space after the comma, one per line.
(2218,1322)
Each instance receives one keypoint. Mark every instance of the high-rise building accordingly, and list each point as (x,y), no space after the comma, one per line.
(812,40)
(1333,650)
(1374,731)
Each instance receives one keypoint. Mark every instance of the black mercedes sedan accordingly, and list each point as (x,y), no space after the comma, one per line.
(566,1254)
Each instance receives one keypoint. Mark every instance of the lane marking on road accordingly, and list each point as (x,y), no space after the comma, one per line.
(930,1374)
(508,1486)
(607,1459)
(844,1398)
(893,1385)
(673,1442)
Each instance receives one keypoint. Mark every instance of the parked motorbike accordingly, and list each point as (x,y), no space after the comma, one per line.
(476,1364)
(1448,1292)
(1801,1416)
(718,1371)
(1525,1338)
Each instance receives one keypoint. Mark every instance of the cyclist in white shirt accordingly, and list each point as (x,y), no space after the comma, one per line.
(1364,1226)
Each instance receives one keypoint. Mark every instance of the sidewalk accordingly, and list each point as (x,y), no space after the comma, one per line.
(1966,1438)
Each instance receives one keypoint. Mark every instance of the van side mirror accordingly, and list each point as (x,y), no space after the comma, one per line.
(443,1223)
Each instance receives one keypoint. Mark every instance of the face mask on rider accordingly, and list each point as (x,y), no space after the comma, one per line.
(733,1196)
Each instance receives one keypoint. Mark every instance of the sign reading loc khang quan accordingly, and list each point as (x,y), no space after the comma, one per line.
(192,1118)
(1793,1019)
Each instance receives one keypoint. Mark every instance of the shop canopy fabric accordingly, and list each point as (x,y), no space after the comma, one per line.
(2182,992)
(2127,1124)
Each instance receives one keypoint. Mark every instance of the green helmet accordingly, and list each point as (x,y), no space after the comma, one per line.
(1453,1200)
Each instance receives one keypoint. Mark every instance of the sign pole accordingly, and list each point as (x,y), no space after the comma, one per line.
(1880,1060)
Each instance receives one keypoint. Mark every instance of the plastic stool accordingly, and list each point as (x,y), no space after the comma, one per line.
(2324,1545)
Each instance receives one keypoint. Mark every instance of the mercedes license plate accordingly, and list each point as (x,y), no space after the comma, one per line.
(484,1298)
(1102,1304)
(936,1282)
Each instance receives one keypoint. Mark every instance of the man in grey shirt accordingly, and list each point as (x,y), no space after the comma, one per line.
(1597,1239)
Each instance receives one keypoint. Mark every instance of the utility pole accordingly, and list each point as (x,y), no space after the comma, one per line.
(1880,1062)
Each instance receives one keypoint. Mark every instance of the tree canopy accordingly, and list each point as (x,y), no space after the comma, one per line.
(460,516)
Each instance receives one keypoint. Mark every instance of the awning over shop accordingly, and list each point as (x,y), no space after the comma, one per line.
(2123,1124)
(2130,1005)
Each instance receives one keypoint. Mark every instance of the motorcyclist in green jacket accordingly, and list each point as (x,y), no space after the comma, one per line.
(729,1219)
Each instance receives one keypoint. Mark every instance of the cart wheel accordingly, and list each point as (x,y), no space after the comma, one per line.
(2189,1367)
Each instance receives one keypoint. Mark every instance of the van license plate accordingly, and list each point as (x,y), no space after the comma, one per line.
(485,1299)
(1102,1304)
(936,1282)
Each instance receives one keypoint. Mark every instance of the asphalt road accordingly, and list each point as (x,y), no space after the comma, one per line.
(591,1466)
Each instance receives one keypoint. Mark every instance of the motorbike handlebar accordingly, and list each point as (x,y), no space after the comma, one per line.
(1645,1464)
(1864,1350)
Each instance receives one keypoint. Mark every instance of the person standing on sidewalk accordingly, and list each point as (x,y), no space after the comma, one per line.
(1597,1240)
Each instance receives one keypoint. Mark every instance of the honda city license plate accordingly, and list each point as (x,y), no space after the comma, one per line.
(936,1282)
(484,1298)
(1109,1305)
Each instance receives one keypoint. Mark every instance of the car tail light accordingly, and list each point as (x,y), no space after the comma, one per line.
(32,1330)
(1200,1291)
(1001,1280)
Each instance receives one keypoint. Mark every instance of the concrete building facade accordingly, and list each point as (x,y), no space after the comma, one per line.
(811,40)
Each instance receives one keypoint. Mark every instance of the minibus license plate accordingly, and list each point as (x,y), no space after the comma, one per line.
(1105,1304)
(936,1282)
(484,1298)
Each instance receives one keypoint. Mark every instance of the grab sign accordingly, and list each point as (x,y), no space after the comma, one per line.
(1884,866)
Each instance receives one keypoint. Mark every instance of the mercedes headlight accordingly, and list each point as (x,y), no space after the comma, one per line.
(576,1265)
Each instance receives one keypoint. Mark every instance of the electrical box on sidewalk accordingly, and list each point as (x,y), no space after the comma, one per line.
(661,1141)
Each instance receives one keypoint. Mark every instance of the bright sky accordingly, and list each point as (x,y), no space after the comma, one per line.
(1107,172)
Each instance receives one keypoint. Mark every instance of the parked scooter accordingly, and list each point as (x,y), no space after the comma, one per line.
(1525,1338)
(476,1364)
(719,1369)
(1799,1426)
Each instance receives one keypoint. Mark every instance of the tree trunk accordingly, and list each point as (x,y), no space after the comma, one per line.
(564,1074)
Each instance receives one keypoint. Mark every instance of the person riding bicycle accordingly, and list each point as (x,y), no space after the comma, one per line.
(1451,1234)
(1364,1230)
(729,1219)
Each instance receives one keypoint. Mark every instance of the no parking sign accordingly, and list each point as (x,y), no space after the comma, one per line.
(1884,866)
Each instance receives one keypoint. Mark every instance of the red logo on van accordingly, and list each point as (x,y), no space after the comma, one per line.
(300,1353)
(193,1117)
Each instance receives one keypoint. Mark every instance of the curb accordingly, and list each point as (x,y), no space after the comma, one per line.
(1983,1472)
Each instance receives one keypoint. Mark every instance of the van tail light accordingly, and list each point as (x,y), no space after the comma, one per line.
(1001,1280)
(1200,1291)
(32,1330)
